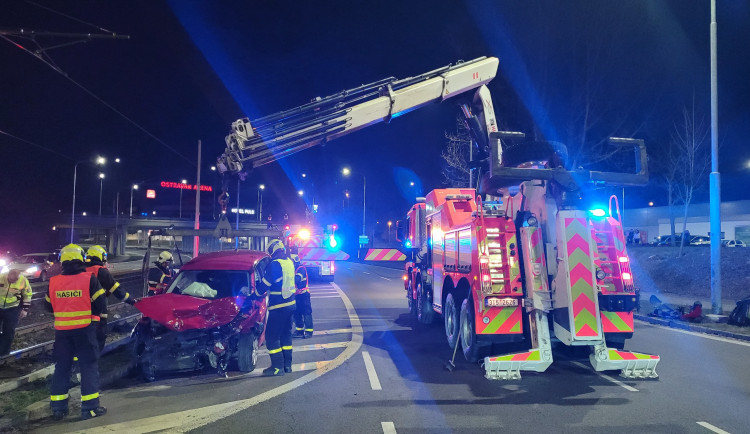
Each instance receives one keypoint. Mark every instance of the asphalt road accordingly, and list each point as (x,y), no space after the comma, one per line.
(371,368)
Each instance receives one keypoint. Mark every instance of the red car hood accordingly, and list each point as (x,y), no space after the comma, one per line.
(184,312)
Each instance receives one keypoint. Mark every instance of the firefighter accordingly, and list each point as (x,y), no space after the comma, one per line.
(96,258)
(15,299)
(77,299)
(303,313)
(278,282)
(160,276)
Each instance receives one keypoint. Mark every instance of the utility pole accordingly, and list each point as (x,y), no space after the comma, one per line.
(715,179)
(196,238)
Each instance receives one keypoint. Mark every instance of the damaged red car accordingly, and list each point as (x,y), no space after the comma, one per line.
(209,317)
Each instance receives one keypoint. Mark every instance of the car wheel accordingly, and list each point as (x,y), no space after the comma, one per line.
(424,306)
(469,343)
(43,276)
(410,300)
(452,320)
(247,352)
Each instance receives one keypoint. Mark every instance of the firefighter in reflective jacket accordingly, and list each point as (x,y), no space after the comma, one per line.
(96,258)
(278,282)
(303,313)
(159,277)
(15,301)
(77,300)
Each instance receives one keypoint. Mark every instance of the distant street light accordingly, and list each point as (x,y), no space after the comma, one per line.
(101,186)
(117,160)
(134,187)
(184,181)
(261,187)
(650,204)
(346,172)
(100,161)
(304,175)
(411,183)
(213,168)
(389,229)
(300,193)
(83,213)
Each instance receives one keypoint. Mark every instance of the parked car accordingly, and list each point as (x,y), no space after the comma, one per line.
(209,317)
(733,243)
(700,240)
(37,266)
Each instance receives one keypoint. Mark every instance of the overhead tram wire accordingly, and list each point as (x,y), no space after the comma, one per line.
(36,145)
(93,95)
(69,17)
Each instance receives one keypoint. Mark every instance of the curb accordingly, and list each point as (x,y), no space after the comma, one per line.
(690,327)
(8,386)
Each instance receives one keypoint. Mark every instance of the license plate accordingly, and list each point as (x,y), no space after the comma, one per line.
(500,302)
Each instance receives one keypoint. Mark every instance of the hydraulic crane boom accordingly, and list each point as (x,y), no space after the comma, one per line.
(273,137)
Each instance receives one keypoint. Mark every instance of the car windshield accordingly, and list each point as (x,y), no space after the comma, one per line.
(30,260)
(211,283)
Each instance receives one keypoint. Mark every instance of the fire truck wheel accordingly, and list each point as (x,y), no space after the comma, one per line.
(247,352)
(452,317)
(411,301)
(468,337)
(425,314)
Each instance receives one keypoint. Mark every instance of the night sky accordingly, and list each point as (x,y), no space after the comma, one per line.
(191,68)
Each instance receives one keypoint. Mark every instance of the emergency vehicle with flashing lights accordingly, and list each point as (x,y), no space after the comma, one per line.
(516,261)
(317,248)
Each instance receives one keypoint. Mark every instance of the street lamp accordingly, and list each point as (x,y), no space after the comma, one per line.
(184,181)
(261,187)
(100,161)
(101,186)
(389,230)
(134,187)
(300,193)
(346,172)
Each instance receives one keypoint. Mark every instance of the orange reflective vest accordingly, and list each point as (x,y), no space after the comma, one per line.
(71,301)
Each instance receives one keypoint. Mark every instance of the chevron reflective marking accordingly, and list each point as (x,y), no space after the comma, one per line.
(627,355)
(502,320)
(581,278)
(320,254)
(514,266)
(617,322)
(384,255)
(518,357)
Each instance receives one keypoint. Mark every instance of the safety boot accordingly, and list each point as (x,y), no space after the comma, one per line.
(299,333)
(59,414)
(273,372)
(93,412)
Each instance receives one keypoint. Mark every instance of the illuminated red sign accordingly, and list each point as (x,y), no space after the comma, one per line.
(179,185)
(151,194)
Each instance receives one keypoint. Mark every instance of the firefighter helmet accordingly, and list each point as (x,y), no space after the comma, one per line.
(71,252)
(274,246)
(164,257)
(96,252)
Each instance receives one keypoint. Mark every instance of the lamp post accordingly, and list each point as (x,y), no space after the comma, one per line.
(100,161)
(346,172)
(184,182)
(389,231)
(132,188)
(261,187)
(101,187)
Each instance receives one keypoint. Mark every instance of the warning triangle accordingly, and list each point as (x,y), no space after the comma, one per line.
(223,228)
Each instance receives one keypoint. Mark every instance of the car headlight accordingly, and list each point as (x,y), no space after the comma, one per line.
(5,269)
(3,262)
(32,269)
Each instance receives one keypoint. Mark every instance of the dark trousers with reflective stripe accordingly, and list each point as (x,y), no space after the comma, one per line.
(279,337)
(80,343)
(9,321)
(303,313)
(101,333)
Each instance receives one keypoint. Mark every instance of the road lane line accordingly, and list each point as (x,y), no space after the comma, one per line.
(700,335)
(311,347)
(710,427)
(365,272)
(388,427)
(187,420)
(325,296)
(607,377)
(374,382)
(386,278)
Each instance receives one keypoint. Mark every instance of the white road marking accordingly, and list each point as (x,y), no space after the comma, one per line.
(608,378)
(374,382)
(192,419)
(388,427)
(366,272)
(332,331)
(700,335)
(325,296)
(311,347)
(386,278)
(710,427)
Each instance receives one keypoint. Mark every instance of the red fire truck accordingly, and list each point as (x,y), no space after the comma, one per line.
(317,249)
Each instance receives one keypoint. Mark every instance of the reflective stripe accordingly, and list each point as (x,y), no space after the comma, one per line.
(277,350)
(300,275)
(58,397)
(115,286)
(309,330)
(299,329)
(127,296)
(279,279)
(103,315)
(72,314)
(266,282)
(46,298)
(287,348)
(89,397)
(274,292)
(276,306)
(75,322)
(97,294)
